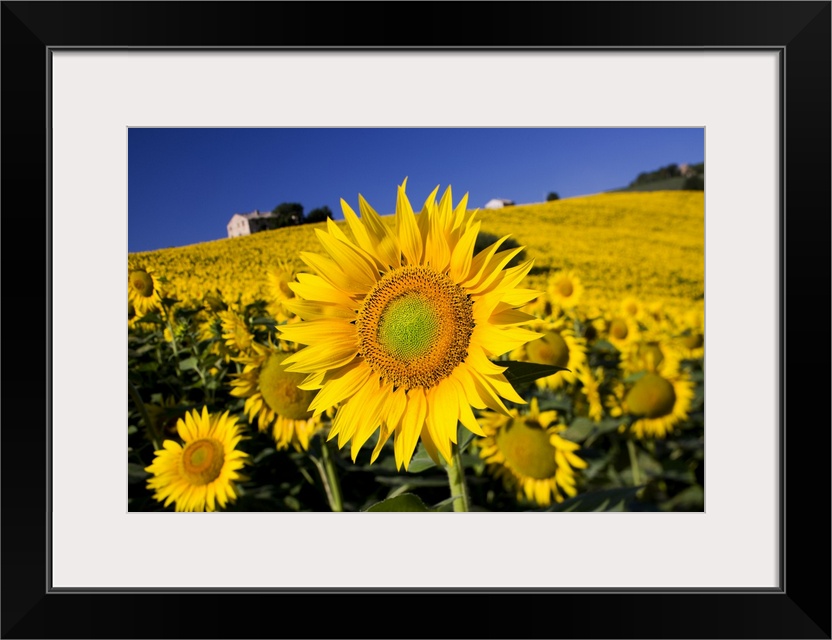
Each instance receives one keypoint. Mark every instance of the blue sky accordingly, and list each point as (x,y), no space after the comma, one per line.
(185,184)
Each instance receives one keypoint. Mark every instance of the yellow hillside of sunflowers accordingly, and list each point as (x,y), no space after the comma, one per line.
(647,245)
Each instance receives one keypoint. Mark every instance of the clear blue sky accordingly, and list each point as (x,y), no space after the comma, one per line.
(185,184)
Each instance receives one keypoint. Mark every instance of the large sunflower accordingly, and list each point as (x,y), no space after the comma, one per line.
(200,473)
(401,322)
(273,397)
(528,453)
(142,289)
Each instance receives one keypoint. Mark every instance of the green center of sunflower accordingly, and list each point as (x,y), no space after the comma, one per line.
(566,288)
(202,461)
(414,327)
(527,450)
(280,391)
(142,283)
(550,349)
(409,326)
(618,329)
(652,396)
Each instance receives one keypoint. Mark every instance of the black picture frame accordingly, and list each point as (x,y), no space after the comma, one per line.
(799,608)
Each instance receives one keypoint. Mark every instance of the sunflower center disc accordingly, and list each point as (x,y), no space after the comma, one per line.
(279,389)
(527,449)
(142,283)
(565,287)
(652,396)
(202,461)
(414,327)
(550,349)
(409,326)
(618,329)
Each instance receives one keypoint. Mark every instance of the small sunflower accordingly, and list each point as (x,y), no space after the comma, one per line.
(565,289)
(558,346)
(654,351)
(236,334)
(657,401)
(142,289)
(165,415)
(530,456)
(274,398)
(591,389)
(200,473)
(400,324)
(692,334)
(633,307)
(621,330)
(280,277)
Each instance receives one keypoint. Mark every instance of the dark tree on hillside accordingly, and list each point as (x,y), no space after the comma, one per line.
(552,196)
(287,214)
(319,215)
(695,183)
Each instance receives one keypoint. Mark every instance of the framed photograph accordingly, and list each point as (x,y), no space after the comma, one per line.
(87,553)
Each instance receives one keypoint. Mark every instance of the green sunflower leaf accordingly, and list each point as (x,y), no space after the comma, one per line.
(421,461)
(522,372)
(582,428)
(188,363)
(136,473)
(404,502)
(605,500)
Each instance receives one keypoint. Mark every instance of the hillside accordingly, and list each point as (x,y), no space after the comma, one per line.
(648,244)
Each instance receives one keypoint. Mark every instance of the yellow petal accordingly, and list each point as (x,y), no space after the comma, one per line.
(430,445)
(329,355)
(411,427)
(371,419)
(312,287)
(409,237)
(337,389)
(349,259)
(317,331)
(463,254)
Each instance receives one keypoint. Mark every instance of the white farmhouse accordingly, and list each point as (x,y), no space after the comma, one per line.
(243,224)
(498,203)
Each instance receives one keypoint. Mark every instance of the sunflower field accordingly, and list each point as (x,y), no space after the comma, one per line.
(541,357)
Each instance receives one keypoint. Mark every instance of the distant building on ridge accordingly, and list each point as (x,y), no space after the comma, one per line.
(498,203)
(244,224)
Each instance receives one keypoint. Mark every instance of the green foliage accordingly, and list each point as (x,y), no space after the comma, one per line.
(403,502)
(695,183)
(521,373)
(552,195)
(287,214)
(606,500)
(170,373)
(318,215)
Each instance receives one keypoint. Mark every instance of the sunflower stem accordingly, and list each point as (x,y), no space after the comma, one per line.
(148,423)
(631,448)
(329,475)
(456,478)
(172,335)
